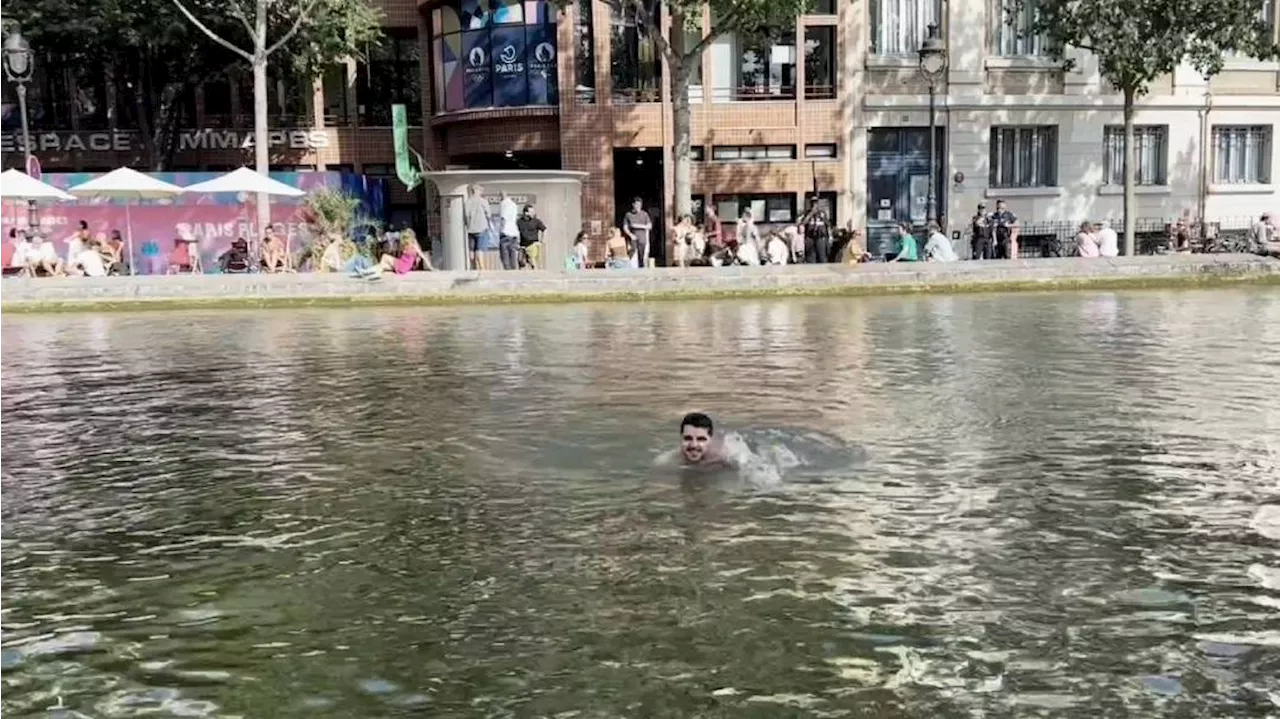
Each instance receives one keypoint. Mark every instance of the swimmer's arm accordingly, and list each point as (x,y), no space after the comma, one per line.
(670,458)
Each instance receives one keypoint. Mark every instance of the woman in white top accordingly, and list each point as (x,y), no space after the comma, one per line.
(748,239)
(796,242)
(682,235)
(777,250)
(1108,241)
(90,257)
(1086,242)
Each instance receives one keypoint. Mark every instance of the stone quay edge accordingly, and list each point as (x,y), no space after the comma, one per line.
(48,294)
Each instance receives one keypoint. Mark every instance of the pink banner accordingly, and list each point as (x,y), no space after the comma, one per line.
(156,227)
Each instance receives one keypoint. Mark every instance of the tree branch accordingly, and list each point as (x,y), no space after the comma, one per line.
(237,12)
(297,24)
(212,35)
(723,27)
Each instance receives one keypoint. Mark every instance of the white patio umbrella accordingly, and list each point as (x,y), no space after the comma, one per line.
(126,184)
(250,182)
(18,185)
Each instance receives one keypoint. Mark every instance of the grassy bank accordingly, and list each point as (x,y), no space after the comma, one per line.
(136,304)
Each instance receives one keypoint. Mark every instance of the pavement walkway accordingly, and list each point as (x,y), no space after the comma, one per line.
(164,292)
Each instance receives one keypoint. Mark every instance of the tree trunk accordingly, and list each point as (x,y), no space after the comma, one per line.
(681,129)
(1130,177)
(681,119)
(261,144)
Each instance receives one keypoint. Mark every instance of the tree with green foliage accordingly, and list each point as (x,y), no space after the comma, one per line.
(682,44)
(146,53)
(1138,41)
(152,57)
(339,28)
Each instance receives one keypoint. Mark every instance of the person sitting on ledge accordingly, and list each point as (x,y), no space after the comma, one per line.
(410,253)
(1263,237)
(619,255)
(236,259)
(274,256)
(907,247)
(577,259)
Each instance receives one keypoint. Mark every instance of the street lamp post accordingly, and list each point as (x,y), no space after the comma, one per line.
(933,63)
(17,69)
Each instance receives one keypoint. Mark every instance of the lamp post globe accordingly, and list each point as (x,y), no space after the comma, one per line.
(18,66)
(17,57)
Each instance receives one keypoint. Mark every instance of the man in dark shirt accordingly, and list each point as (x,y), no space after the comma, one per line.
(1003,223)
(636,226)
(817,233)
(531,229)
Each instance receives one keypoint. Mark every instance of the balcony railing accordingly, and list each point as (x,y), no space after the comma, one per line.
(753,93)
(819,92)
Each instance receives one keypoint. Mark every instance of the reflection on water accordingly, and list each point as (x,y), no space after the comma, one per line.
(1059,505)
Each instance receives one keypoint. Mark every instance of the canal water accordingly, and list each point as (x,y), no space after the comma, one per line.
(1059,505)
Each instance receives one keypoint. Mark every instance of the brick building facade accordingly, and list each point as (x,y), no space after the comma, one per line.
(835,102)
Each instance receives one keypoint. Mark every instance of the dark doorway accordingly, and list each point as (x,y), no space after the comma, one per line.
(509,161)
(637,172)
(898,181)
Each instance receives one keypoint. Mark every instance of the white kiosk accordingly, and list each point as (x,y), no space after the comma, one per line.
(556,194)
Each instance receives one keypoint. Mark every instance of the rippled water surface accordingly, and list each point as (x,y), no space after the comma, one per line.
(1036,505)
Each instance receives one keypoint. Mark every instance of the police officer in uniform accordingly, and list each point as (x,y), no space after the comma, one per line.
(981,230)
(1001,224)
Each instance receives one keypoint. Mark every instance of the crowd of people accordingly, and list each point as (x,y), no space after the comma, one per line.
(520,235)
(814,239)
(28,254)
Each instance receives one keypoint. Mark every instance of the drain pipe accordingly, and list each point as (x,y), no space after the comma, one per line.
(1205,139)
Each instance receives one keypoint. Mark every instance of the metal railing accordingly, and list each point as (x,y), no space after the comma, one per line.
(753,93)
(1152,236)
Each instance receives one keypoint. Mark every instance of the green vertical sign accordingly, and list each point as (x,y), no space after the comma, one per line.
(400,132)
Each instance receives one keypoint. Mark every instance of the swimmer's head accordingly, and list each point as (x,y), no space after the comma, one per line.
(695,435)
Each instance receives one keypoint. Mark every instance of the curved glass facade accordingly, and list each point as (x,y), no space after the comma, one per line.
(494,53)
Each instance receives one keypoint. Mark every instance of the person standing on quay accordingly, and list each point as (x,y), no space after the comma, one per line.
(817,233)
(980,229)
(477,215)
(637,225)
(531,232)
(508,233)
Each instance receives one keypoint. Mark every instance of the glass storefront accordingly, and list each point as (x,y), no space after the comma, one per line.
(494,53)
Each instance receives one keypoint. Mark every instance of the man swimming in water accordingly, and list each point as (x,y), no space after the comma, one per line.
(699,445)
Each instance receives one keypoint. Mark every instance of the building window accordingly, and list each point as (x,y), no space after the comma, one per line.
(756,153)
(586,56)
(899,26)
(823,7)
(1151,151)
(820,151)
(770,208)
(494,53)
(391,75)
(635,65)
(820,62)
(334,84)
(767,66)
(1242,155)
(217,103)
(1014,37)
(697,153)
(1024,156)
(287,94)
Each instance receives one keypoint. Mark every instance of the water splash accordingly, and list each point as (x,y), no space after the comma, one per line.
(763,460)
